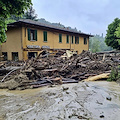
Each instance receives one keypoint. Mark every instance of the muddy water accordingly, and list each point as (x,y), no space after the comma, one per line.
(105,102)
(86,101)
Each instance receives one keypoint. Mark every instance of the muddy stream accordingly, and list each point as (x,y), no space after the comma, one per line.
(84,100)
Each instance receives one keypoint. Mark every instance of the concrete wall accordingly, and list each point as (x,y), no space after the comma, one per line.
(13,43)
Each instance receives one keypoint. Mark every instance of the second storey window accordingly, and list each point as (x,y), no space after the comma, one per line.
(76,40)
(32,35)
(45,36)
(60,38)
(67,39)
(85,41)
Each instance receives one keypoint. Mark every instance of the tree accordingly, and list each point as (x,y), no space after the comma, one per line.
(97,43)
(94,45)
(16,18)
(8,8)
(30,14)
(111,37)
(117,33)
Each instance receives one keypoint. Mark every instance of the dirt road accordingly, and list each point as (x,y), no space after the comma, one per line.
(84,100)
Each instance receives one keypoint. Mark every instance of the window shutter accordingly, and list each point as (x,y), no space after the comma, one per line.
(45,36)
(28,33)
(78,40)
(67,39)
(72,40)
(60,38)
(85,40)
(36,35)
(75,40)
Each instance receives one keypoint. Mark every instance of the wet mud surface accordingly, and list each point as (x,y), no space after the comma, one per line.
(84,100)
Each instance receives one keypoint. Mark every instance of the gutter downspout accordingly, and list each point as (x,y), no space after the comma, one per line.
(22,44)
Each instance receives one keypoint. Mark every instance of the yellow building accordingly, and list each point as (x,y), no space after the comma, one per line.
(26,38)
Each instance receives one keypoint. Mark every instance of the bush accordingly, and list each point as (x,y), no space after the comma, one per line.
(115,74)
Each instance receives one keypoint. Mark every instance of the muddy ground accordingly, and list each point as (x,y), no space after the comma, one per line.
(84,100)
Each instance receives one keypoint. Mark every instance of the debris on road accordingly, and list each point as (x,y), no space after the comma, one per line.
(49,70)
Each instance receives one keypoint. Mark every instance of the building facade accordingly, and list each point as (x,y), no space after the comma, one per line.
(26,38)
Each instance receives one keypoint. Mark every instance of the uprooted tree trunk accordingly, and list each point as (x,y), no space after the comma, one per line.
(98,77)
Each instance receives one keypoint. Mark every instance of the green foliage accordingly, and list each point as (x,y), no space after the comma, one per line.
(111,38)
(10,21)
(3,28)
(15,7)
(30,14)
(117,34)
(97,44)
(16,18)
(114,75)
(8,8)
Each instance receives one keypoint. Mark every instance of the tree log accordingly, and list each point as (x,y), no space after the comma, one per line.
(98,77)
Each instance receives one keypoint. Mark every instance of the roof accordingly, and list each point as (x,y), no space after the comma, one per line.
(49,26)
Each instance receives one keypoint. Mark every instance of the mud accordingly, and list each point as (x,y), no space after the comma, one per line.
(84,100)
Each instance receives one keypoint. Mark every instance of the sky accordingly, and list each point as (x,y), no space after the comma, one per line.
(88,16)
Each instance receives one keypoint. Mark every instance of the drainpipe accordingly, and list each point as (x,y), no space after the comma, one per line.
(22,44)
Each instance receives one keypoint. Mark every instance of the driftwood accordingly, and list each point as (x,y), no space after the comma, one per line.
(7,69)
(98,77)
(9,74)
(2,63)
(103,58)
(50,70)
(58,70)
(4,70)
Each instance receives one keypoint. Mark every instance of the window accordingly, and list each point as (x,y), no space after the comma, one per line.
(76,40)
(32,35)
(4,55)
(44,36)
(32,54)
(15,56)
(67,39)
(72,41)
(60,38)
(85,41)
(25,32)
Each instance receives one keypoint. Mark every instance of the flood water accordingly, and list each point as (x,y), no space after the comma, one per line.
(85,100)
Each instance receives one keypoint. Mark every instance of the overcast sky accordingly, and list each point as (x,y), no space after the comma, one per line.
(89,16)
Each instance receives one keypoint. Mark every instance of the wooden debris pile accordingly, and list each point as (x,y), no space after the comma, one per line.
(44,70)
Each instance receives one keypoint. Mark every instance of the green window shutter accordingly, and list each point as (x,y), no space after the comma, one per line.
(28,33)
(85,41)
(72,40)
(36,35)
(76,40)
(67,39)
(60,38)
(45,36)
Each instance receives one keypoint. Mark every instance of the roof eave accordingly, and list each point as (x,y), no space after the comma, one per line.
(23,22)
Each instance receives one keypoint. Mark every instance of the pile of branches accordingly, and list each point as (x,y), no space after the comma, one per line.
(41,71)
